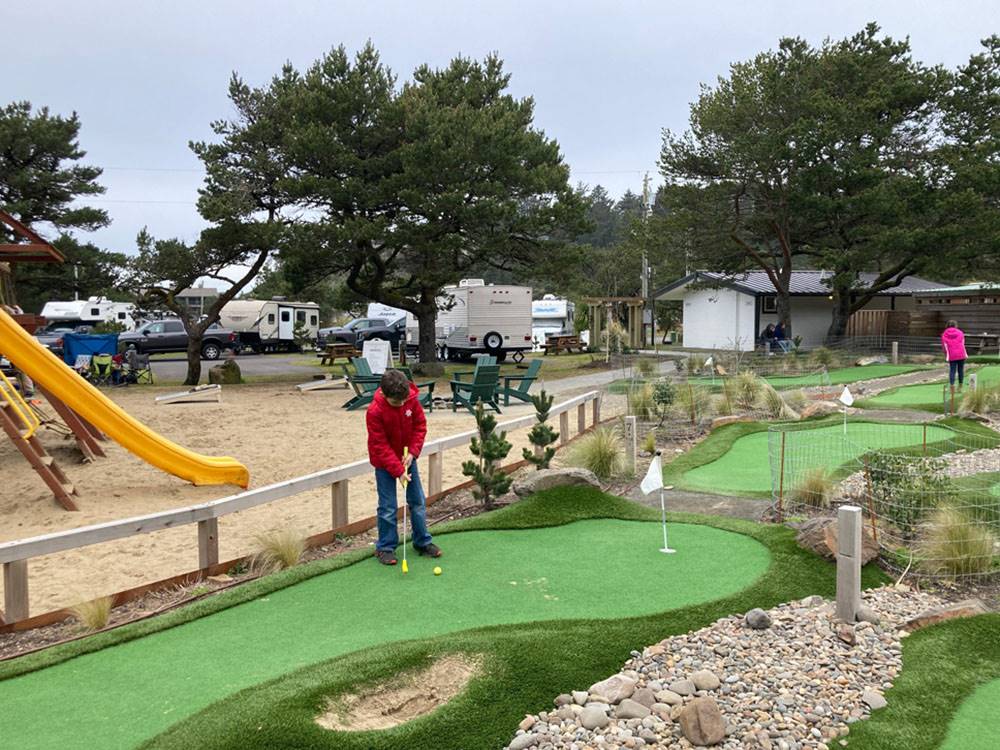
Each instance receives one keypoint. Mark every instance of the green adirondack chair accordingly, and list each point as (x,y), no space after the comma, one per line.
(484,387)
(365,383)
(484,360)
(524,382)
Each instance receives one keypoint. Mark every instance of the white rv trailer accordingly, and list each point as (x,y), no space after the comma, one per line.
(90,311)
(474,317)
(269,325)
(550,315)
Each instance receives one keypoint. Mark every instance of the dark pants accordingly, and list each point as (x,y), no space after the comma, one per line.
(956,367)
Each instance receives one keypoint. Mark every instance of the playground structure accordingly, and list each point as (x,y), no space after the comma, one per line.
(16,554)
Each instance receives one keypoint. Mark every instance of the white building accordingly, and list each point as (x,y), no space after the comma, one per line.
(729,311)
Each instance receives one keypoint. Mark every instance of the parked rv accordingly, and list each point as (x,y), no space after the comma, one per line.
(550,315)
(475,318)
(269,325)
(90,312)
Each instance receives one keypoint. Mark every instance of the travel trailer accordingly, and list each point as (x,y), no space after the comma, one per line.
(269,325)
(90,311)
(550,315)
(474,318)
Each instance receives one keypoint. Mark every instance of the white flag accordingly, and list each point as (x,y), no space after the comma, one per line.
(654,477)
(846,398)
(709,362)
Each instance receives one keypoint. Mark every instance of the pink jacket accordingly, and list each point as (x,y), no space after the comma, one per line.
(953,341)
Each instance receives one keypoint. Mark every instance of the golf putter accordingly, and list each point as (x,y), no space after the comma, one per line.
(404,480)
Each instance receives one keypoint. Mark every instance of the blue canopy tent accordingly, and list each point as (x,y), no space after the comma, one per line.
(75,344)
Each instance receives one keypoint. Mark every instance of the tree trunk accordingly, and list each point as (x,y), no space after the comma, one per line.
(784,311)
(426,320)
(841,314)
(194,357)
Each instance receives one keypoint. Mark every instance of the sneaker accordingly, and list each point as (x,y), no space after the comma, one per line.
(431,550)
(385,556)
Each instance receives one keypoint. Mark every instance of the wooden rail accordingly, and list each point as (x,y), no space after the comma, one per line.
(15,554)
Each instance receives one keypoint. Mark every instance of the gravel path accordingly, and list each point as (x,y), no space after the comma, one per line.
(798,683)
(682,501)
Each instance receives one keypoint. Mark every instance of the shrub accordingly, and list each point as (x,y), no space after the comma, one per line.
(748,388)
(600,451)
(981,400)
(775,406)
(490,449)
(640,401)
(954,544)
(663,397)
(278,550)
(693,402)
(93,615)
(541,435)
(905,488)
(823,357)
(694,364)
(796,399)
(649,442)
(646,366)
(815,488)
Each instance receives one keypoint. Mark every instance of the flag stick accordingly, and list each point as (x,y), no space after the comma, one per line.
(663,515)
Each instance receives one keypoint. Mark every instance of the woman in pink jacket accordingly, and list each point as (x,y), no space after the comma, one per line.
(953,342)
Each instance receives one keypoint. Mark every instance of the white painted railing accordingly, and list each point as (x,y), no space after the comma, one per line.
(15,554)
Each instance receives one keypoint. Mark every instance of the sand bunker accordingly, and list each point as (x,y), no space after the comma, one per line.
(408,696)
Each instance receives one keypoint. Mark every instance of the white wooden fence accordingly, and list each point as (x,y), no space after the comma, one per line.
(15,554)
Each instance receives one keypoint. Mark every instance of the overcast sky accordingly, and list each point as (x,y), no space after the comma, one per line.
(146,77)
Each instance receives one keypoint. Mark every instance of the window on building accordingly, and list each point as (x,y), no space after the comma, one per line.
(300,316)
(769,303)
(314,320)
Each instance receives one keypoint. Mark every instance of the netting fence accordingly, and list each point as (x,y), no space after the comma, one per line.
(930,493)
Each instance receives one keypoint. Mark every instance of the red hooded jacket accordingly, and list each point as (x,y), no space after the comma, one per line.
(391,428)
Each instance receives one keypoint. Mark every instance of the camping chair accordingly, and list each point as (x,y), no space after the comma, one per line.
(137,367)
(482,361)
(483,389)
(101,369)
(524,384)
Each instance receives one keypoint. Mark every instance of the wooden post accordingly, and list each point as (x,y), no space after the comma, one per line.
(338,498)
(564,428)
(925,439)
(15,590)
(434,463)
(630,441)
(208,542)
(895,352)
(848,562)
(597,410)
(581,418)
(781,480)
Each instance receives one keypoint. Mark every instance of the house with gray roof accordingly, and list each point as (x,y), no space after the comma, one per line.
(728,311)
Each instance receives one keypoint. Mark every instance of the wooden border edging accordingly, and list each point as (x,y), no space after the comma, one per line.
(15,554)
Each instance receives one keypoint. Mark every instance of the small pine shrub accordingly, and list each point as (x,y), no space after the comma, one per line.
(640,401)
(953,544)
(490,448)
(600,451)
(277,550)
(93,615)
(649,442)
(815,488)
(663,397)
(541,435)
(823,357)
(646,367)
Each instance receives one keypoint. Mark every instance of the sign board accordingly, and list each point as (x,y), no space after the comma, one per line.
(972,381)
(378,352)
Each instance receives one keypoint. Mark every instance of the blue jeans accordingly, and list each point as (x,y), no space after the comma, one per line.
(956,367)
(785,344)
(388,537)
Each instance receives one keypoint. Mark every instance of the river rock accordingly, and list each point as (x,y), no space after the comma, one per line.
(683,687)
(616,688)
(523,741)
(819,535)
(645,696)
(669,697)
(873,700)
(535,481)
(703,679)
(228,373)
(593,717)
(758,619)
(820,409)
(966,608)
(702,722)
(630,709)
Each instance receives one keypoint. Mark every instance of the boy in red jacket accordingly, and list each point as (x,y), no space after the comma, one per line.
(395,421)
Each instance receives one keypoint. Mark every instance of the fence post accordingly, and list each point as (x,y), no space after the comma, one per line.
(895,352)
(564,428)
(781,480)
(871,501)
(597,410)
(15,590)
(630,441)
(581,418)
(338,501)
(925,439)
(848,562)
(208,542)
(434,463)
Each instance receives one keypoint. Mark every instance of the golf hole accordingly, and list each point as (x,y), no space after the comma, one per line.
(405,697)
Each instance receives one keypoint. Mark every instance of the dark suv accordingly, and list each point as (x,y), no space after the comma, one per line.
(169,336)
(361,330)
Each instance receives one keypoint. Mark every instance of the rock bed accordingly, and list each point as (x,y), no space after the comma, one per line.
(797,682)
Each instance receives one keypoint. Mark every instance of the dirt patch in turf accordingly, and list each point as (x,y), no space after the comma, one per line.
(408,696)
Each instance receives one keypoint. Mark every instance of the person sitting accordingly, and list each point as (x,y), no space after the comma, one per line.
(781,339)
(767,337)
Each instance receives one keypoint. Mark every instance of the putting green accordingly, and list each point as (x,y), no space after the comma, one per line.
(927,395)
(976,724)
(123,695)
(745,468)
(840,376)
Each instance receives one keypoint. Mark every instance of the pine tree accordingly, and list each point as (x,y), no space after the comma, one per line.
(491,448)
(542,435)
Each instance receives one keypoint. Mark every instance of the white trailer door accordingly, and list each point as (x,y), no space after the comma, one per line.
(286,324)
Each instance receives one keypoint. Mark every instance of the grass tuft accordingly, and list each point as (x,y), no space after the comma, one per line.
(640,401)
(747,389)
(278,550)
(954,544)
(93,615)
(600,451)
(649,442)
(815,488)
(646,366)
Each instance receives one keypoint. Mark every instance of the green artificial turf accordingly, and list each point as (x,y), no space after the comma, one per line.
(947,696)
(744,466)
(838,376)
(601,568)
(926,396)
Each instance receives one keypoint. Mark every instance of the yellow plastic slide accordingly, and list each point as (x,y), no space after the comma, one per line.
(42,366)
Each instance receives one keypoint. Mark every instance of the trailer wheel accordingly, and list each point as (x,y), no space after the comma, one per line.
(493,342)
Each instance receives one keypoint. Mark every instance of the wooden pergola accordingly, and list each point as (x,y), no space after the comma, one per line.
(31,249)
(601,309)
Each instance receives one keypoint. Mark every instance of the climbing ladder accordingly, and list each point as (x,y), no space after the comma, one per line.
(20,423)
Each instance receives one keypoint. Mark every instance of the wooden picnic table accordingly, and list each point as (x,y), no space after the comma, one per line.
(986,340)
(339,351)
(563,343)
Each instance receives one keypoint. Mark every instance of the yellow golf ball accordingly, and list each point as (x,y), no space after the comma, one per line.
(437,571)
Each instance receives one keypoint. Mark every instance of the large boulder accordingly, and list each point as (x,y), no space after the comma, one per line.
(966,608)
(819,535)
(820,409)
(868,361)
(616,688)
(702,722)
(228,373)
(536,481)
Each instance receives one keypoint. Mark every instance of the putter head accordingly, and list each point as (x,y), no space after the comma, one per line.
(406,568)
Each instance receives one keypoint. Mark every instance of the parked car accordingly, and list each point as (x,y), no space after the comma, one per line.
(52,335)
(169,336)
(361,330)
